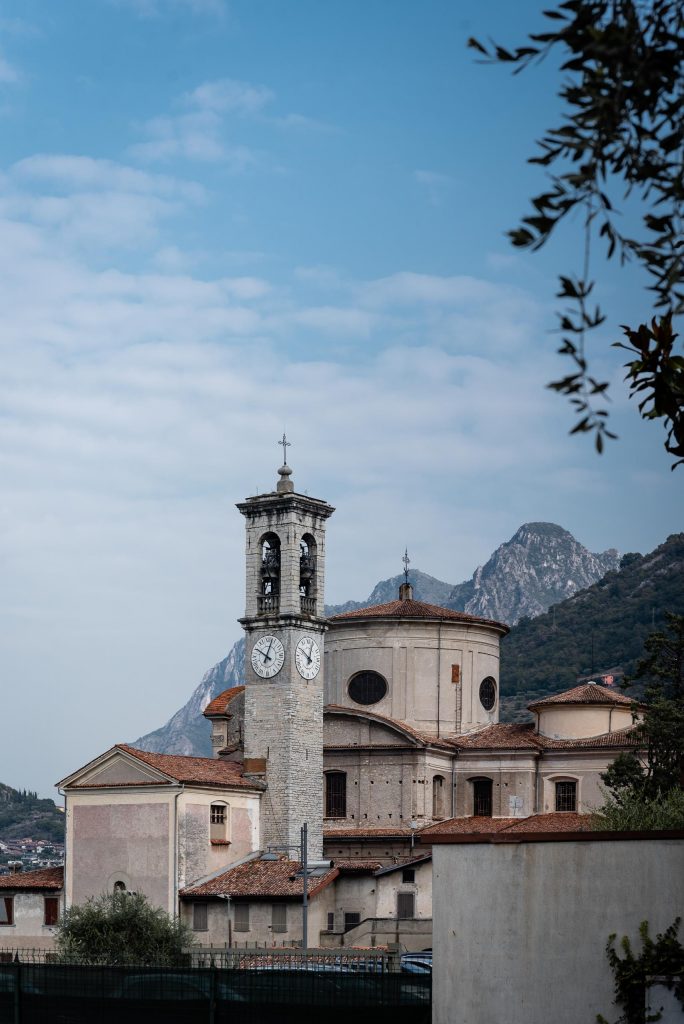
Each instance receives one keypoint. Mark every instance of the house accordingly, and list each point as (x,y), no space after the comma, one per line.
(31,903)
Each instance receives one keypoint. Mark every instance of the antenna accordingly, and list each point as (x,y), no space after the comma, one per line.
(407,561)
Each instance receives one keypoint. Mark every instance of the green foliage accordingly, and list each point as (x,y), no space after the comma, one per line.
(621,135)
(662,957)
(630,812)
(610,621)
(121,928)
(23,813)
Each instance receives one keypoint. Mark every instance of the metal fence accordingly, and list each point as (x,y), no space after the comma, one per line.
(252,987)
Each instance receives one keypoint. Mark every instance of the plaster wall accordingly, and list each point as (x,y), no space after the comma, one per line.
(420,661)
(260,931)
(127,837)
(389,886)
(568,722)
(584,768)
(28,929)
(196,854)
(520,928)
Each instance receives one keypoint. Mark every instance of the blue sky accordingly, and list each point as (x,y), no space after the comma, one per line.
(220,219)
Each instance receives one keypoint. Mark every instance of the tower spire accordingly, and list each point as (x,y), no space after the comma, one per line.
(285,485)
(406,590)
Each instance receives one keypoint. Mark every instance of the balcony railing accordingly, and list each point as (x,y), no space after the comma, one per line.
(268,604)
(308,605)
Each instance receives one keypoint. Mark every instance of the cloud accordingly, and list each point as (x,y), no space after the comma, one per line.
(83,172)
(198,131)
(158,8)
(435,184)
(8,74)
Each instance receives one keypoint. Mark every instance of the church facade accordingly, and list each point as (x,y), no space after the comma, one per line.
(369,727)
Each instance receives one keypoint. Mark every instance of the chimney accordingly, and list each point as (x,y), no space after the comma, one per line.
(16,867)
(405,592)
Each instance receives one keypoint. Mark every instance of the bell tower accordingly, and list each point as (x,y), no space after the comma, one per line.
(285,626)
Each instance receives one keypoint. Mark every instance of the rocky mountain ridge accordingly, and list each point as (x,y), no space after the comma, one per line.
(539,565)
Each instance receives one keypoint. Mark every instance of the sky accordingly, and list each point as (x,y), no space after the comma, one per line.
(223,219)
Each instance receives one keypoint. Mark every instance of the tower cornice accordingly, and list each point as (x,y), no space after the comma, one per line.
(274,502)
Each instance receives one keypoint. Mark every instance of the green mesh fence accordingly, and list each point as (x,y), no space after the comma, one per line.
(34,993)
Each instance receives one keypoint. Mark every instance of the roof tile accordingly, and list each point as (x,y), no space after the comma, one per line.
(261,878)
(45,878)
(588,693)
(218,705)
(415,610)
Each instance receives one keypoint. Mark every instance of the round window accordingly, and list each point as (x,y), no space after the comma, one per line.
(367,687)
(488,693)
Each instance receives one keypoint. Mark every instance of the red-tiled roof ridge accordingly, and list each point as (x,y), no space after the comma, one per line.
(218,705)
(586,693)
(411,609)
(554,821)
(208,771)
(43,878)
(258,877)
(523,736)
(466,826)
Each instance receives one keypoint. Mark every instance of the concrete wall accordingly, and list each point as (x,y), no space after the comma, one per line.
(420,661)
(520,929)
(221,917)
(28,930)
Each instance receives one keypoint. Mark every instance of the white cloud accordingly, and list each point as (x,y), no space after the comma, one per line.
(227,95)
(157,8)
(83,172)
(8,74)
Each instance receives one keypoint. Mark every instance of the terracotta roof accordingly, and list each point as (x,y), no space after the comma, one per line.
(522,736)
(361,865)
(400,831)
(207,771)
(261,878)
(45,878)
(218,705)
(557,821)
(469,825)
(588,693)
(415,610)
(507,735)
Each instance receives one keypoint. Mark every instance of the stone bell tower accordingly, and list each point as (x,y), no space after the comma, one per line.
(285,626)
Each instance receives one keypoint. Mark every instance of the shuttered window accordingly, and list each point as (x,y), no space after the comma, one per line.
(241,919)
(199,917)
(51,910)
(6,909)
(279,917)
(335,795)
(406,905)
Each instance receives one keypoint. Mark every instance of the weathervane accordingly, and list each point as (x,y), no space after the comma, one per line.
(407,561)
(285,444)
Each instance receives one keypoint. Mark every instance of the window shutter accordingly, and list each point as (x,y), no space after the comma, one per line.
(405,905)
(199,917)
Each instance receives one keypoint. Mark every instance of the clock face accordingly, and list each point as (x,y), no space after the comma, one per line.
(268,655)
(308,657)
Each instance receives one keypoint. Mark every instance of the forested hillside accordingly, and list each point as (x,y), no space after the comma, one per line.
(23,815)
(597,630)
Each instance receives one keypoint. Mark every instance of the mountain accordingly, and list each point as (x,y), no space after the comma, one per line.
(542,563)
(24,816)
(425,588)
(599,630)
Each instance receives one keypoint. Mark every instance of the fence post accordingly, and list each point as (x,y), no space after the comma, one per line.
(394,957)
(212,994)
(17,991)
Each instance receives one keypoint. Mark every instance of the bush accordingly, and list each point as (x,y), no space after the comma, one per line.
(121,928)
(632,813)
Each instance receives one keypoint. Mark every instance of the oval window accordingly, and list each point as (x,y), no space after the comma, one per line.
(488,693)
(367,687)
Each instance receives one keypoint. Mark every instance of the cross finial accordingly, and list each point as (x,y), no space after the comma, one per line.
(285,444)
(407,561)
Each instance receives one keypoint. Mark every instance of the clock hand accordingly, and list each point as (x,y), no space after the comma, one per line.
(267,656)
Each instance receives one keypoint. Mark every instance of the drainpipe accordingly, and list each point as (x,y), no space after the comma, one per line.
(453,785)
(62,793)
(439,674)
(537,807)
(176,908)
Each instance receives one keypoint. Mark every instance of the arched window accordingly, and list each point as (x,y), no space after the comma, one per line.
(219,821)
(482,797)
(307,573)
(335,795)
(119,886)
(269,593)
(438,796)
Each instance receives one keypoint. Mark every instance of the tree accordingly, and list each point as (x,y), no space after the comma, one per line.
(622,132)
(120,928)
(646,789)
(660,958)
